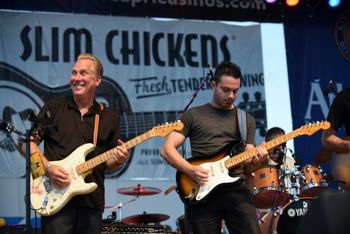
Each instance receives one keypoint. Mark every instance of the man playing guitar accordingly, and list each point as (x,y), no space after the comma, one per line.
(338,116)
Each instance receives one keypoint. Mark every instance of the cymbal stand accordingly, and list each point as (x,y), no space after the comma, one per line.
(119,206)
(297,184)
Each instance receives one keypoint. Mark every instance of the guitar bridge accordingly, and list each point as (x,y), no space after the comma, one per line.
(192,195)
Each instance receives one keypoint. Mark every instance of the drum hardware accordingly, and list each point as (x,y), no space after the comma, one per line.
(285,219)
(136,191)
(291,181)
(119,206)
(277,212)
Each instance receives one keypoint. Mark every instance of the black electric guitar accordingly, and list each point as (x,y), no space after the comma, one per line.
(219,165)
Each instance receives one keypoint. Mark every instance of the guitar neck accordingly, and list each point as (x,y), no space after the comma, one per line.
(160,130)
(91,163)
(134,124)
(240,158)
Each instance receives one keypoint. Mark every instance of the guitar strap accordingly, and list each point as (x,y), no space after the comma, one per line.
(97,122)
(242,124)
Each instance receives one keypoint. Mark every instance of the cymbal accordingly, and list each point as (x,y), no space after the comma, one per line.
(145,218)
(139,190)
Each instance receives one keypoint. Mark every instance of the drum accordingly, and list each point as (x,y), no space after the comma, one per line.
(285,220)
(265,187)
(313,183)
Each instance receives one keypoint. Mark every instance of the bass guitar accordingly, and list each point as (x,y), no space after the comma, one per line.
(48,200)
(219,165)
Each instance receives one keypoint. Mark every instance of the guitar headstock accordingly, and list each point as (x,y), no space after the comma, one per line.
(164,129)
(311,128)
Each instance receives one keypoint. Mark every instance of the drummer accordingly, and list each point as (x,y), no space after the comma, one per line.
(278,160)
(278,155)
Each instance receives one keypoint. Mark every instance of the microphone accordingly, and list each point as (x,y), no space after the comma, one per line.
(330,88)
(293,155)
(6,127)
(280,155)
(211,73)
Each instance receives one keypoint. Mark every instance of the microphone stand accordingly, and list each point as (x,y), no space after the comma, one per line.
(196,92)
(210,74)
(7,127)
(27,196)
(183,148)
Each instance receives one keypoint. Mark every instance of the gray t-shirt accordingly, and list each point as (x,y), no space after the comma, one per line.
(212,130)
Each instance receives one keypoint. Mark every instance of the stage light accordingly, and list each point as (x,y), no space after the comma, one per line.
(292,2)
(270,1)
(334,3)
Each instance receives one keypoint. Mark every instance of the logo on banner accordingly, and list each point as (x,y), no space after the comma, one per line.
(342,34)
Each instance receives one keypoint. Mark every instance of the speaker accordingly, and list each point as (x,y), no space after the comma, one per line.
(120,228)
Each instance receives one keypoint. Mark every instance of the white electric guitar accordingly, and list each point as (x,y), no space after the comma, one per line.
(218,166)
(47,200)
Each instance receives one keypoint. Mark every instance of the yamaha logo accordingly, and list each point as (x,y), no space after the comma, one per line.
(342,34)
(291,212)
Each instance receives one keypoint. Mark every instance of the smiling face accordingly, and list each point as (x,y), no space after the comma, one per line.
(225,92)
(84,79)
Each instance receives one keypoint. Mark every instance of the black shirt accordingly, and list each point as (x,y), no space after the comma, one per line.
(339,112)
(66,130)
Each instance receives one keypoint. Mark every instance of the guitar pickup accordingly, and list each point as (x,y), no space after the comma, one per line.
(47,185)
(212,172)
(222,166)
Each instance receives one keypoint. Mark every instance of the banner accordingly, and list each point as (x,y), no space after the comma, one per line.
(152,69)
(248,10)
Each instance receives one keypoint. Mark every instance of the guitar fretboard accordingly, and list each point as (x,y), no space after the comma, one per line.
(240,158)
(160,130)
(134,124)
(91,163)
(307,130)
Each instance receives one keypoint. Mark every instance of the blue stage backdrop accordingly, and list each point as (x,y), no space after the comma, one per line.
(318,55)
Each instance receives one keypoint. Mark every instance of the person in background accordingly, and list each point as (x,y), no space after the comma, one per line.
(329,212)
(211,128)
(72,121)
(278,155)
(272,183)
(338,117)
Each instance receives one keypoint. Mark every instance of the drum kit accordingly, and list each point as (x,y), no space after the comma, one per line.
(282,195)
(144,218)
